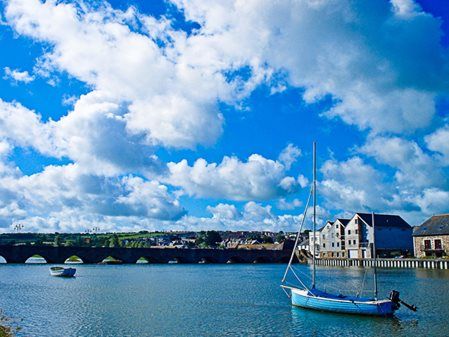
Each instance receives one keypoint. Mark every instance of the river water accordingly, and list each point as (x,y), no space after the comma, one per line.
(208,300)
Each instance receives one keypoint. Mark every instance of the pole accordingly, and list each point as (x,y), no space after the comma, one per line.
(375,258)
(314,216)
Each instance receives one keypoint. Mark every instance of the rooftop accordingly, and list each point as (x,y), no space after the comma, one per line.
(384,220)
(436,225)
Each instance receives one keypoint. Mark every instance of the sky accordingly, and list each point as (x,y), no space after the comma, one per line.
(199,115)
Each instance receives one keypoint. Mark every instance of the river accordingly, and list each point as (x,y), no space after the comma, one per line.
(208,300)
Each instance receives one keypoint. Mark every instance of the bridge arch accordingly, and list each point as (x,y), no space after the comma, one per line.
(234,259)
(176,260)
(74,259)
(110,260)
(207,259)
(3,260)
(261,259)
(143,260)
(36,259)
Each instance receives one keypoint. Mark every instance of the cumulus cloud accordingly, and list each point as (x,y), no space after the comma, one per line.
(168,102)
(152,85)
(438,141)
(256,179)
(352,185)
(254,216)
(343,49)
(288,205)
(17,75)
(59,190)
(412,162)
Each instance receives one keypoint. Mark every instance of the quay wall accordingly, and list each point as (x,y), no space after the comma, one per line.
(384,263)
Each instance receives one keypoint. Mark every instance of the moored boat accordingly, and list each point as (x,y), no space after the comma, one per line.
(62,272)
(310,297)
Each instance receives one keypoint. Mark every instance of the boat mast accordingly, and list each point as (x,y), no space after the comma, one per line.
(375,258)
(314,216)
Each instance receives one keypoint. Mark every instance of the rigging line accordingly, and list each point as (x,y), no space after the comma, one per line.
(363,283)
(298,235)
(307,288)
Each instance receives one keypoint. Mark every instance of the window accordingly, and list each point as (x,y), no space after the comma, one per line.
(349,232)
(356,221)
(324,245)
(354,242)
(437,243)
(338,254)
(338,244)
(336,226)
(332,244)
(427,244)
(324,236)
(356,231)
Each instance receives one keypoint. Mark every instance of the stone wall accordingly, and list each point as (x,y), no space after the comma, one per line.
(418,243)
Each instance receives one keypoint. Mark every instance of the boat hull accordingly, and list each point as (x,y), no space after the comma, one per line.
(319,301)
(62,272)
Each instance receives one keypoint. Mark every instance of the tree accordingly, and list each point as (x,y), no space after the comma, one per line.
(114,241)
(280,237)
(57,241)
(212,238)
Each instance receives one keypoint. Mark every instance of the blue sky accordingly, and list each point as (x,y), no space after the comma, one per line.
(178,114)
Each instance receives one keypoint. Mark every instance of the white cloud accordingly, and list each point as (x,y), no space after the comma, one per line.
(289,155)
(23,127)
(412,162)
(288,205)
(224,211)
(363,54)
(352,185)
(169,102)
(256,179)
(439,141)
(17,75)
(60,191)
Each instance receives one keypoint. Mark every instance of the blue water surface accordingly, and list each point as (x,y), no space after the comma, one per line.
(208,300)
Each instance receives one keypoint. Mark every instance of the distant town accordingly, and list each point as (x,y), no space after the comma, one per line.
(354,238)
(146,239)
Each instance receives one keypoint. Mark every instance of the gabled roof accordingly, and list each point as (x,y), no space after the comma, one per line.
(384,220)
(344,222)
(436,225)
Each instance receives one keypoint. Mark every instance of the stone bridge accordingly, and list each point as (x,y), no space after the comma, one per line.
(58,255)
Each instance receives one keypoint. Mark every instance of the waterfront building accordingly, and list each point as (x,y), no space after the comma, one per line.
(431,238)
(393,236)
(333,239)
(325,238)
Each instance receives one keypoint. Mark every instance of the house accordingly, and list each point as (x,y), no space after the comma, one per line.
(393,236)
(432,237)
(333,239)
(315,238)
(325,237)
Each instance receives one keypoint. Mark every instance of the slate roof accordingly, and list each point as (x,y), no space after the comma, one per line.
(436,225)
(384,220)
(344,222)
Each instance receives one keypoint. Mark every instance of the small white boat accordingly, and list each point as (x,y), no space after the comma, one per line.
(62,272)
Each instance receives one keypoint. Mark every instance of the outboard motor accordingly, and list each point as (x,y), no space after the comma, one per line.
(394,297)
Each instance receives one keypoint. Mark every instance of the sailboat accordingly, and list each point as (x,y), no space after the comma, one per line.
(311,297)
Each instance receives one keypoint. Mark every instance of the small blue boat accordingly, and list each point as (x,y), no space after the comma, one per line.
(310,297)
